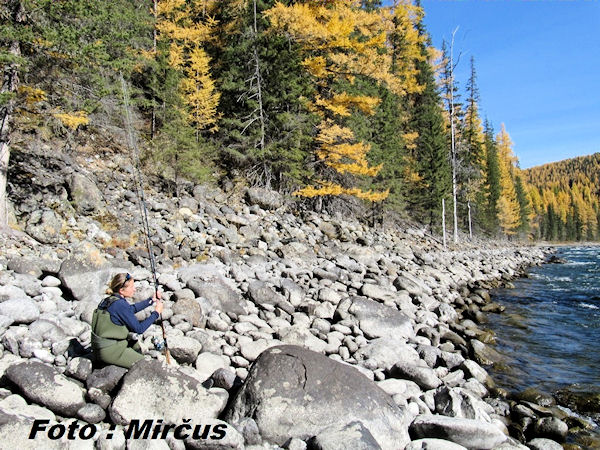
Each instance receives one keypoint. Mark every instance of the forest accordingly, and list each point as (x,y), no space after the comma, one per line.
(338,103)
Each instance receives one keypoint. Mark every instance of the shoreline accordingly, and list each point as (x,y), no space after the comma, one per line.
(250,286)
(584,429)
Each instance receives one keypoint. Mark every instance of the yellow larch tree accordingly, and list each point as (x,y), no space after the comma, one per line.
(341,41)
(185,26)
(508,206)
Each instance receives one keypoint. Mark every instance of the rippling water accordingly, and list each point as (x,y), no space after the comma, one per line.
(550,331)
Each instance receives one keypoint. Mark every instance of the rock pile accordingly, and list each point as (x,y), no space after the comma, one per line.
(287,331)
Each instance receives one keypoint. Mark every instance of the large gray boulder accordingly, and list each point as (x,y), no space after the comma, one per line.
(20,310)
(14,430)
(44,385)
(45,227)
(219,295)
(85,274)
(154,391)
(383,353)
(264,198)
(470,433)
(85,195)
(377,320)
(294,392)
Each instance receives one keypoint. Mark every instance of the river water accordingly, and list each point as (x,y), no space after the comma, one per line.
(550,330)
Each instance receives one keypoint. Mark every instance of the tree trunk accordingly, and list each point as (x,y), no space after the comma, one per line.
(444,221)
(453,137)
(10,82)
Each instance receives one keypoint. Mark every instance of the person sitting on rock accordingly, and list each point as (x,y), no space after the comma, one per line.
(115,318)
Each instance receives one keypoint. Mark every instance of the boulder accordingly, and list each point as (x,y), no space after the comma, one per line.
(544,444)
(86,274)
(20,310)
(183,349)
(342,437)
(383,353)
(219,295)
(15,428)
(264,198)
(46,228)
(85,195)
(433,444)
(44,385)
(153,390)
(294,392)
(380,321)
(192,311)
(467,432)
(423,376)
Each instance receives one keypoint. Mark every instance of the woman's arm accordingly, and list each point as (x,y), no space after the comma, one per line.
(123,312)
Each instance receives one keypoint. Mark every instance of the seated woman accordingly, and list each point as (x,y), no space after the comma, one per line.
(114,319)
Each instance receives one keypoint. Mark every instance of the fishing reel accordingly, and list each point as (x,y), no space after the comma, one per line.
(158,343)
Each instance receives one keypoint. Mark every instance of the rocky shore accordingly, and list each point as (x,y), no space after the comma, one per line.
(287,330)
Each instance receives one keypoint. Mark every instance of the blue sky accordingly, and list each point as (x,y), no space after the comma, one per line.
(538,68)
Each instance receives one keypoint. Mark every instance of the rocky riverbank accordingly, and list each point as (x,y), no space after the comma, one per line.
(287,330)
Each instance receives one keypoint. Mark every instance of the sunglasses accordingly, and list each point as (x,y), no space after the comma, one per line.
(127,278)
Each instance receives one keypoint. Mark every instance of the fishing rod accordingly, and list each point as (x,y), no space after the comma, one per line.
(142,204)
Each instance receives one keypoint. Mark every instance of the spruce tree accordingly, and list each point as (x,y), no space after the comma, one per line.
(492,180)
(266,130)
(431,152)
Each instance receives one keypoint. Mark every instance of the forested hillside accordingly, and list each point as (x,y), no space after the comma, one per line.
(325,100)
(566,199)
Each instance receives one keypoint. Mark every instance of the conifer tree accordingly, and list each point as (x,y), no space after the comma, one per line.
(433,179)
(492,180)
(508,205)
(340,43)
(266,128)
(472,154)
(524,205)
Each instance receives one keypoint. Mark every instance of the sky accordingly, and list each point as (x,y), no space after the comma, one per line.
(538,69)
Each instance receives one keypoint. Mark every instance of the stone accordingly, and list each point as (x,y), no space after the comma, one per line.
(91,413)
(543,444)
(223,378)
(222,437)
(300,336)
(84,194)
(48,229)
(467,432)
(153,390)
(192,311)
(207,363)
(86,274)
(433,444)
(353,436)
(79,368)
(292,392)
(485,354)
(264,198)
(377,320)
(22,310)
(105,379)
(44,385)
(183,349)
(384,353)
(219,295)
(408,282)
(551,428)
(423,376)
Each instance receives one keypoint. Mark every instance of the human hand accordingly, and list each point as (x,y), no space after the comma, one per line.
(159,306)
(157,296)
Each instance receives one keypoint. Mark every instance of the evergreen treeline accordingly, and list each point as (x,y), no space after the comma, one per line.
(320,99)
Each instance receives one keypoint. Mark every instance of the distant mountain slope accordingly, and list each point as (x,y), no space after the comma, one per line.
(565,197)
(583,169)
